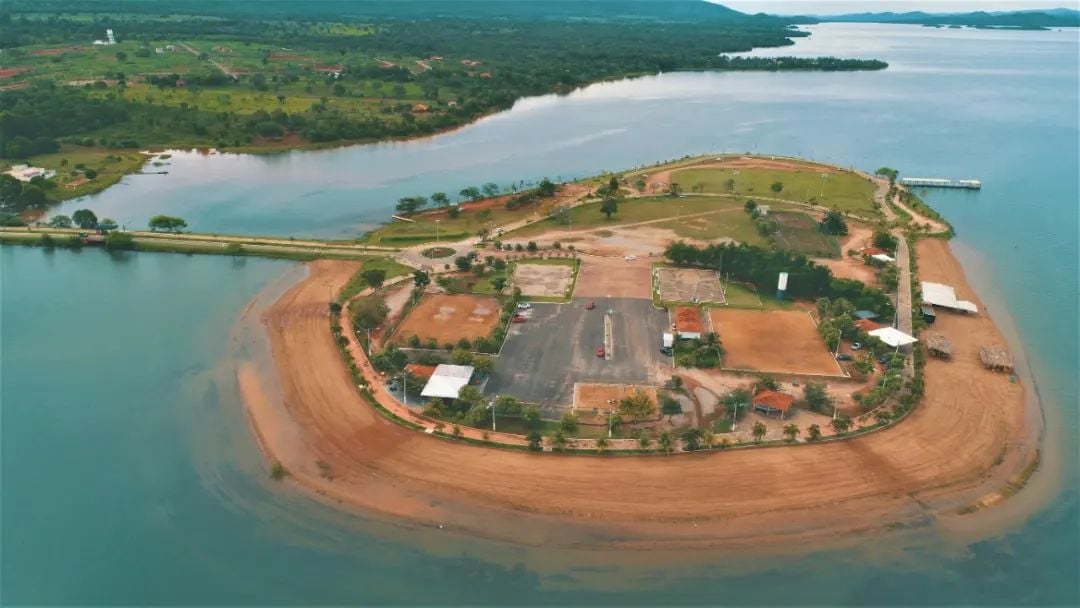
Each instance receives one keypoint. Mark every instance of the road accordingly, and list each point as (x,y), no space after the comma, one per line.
(224,69)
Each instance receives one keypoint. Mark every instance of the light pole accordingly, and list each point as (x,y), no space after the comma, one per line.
(735,416)
(437,231)
(823,176)
(404,388)
(491,406)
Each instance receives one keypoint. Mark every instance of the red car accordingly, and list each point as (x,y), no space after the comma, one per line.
(590,306)
(518,319)
(600,352)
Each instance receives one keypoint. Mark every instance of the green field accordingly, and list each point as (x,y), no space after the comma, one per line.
(422,229)
(800,233)
(726,217)
(111,166)
(842,191)
(357,283)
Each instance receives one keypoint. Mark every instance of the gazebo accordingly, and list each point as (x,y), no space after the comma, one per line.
(996,358)
(939,346)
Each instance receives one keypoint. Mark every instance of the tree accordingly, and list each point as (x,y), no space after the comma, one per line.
(882,416)
(85,218)
(483,364)
(759,431)
(569,422)
(602,444)
(530,415)
(472,193)
(490,189)
(817,397)
(834,223)
(410,204)
(707,437)
(609,207)
(60,221)
(534,440)
(107,224)
(167,223)
(737,398)
(884,240)
(546,188)
(674,189)
(644,439)
(558,440)
(461,356)
(691,439)
(841,424)
(670,407)
(767,382)
(463,263)
(666,442)
(421,279)
(887,173)
(750,206)
(440,199)
(499,283)
(119,240)
(729,185)
(776,187)
(374,277)
(813,432)
(369,312)
(638,405)
(121,56)
(791,431)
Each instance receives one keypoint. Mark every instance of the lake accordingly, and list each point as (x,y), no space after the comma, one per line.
(129,473)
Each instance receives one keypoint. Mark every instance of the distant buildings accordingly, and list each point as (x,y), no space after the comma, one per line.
(25,173)
(109,39)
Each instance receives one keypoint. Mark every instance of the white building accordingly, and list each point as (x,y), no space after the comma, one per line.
(25,173)
(447,381)
(937,294)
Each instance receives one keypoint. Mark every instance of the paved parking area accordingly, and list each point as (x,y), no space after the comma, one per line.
(543,358)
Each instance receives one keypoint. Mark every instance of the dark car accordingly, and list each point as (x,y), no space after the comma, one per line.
(844,357)
(665,350)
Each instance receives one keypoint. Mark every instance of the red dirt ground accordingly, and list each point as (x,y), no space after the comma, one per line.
(448,318)
(9,72)
(688,319)
(776,341)
(613,278)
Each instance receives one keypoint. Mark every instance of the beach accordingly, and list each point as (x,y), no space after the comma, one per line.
(954,454)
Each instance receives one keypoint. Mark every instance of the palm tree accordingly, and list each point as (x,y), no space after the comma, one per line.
(644,440)
(813,433)
(759,431)
(791,431)
(558,440)
(841,424)
(707,437)
(602,444)
(665,441)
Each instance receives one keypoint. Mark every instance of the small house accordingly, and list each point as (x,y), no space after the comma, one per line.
(939,346)
(996,358)
(447,381)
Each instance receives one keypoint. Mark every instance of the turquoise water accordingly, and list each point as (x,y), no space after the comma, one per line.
(128,472)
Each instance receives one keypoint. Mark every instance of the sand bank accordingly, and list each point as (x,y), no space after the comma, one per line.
(963,443)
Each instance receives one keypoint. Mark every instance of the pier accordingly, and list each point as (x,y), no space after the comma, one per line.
(937,182)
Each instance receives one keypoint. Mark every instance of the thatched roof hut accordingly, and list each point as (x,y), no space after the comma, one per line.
(996,358)
(939,345)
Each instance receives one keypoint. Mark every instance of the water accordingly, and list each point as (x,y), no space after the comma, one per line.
(129,475)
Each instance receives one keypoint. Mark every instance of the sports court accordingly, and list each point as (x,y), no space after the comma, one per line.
(448,318)
(689,285)
(544,280)
(774,341)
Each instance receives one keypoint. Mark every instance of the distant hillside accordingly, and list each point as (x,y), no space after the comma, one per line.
(1058,17)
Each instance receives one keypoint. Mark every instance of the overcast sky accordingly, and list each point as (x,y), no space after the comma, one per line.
(825,7)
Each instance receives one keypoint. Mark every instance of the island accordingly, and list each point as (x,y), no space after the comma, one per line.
(718,351)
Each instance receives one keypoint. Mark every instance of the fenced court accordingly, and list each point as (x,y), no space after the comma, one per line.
(448,318)
(689,285)
(773,341)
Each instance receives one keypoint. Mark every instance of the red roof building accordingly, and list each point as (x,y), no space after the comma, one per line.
(773,402)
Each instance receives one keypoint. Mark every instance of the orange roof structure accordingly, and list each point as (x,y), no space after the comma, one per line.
(867,325)
(420,108)
(873,251)
(420,371)
(688,320)
(774,400)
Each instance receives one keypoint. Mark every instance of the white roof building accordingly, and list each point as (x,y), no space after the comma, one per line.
(938,294)
(447,381)
(25,173)
(893,337)
(883,257)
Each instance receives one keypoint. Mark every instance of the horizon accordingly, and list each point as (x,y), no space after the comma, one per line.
(840,7)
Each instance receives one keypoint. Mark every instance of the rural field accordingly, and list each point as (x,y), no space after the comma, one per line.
(800,233)
(773,341)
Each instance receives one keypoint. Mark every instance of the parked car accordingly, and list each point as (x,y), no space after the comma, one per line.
(856,345)
(600,352)
(590,306)
(885,358)
(665,350)
(519,319)
(524,306)
(844,357)
(630,258)
(393,386)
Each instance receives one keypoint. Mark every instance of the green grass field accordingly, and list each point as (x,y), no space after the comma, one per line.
(357,283)
(731,221)
(842,191)
(422,230)
(111,166)
(800,233)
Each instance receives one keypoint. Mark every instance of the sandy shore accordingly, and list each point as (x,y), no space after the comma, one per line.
(959,447)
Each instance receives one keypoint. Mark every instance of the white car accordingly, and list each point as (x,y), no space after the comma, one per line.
(524,306)
(630,258)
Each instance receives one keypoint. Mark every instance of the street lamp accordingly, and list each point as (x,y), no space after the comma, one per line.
(735,416)
(405,387)
(437,231)
(491,406)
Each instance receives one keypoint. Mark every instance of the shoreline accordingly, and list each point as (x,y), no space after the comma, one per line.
(383,468)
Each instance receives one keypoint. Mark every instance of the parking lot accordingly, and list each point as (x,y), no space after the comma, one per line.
(543,357)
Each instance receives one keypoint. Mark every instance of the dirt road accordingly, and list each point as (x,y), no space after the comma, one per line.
(956,447)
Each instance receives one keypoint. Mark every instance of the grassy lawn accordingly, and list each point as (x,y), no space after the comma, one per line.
(734,224)
(800,233)
(647,209)
(547,428)
(422,230)
(357,283)
(742,296)
(843,191)
(111,166)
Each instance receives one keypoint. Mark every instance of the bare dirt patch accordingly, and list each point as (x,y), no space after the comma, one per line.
(545,280)
(688,319)
(10,72)
(613,278)
(593,402)
(689,285)
(449,318)
(776,341)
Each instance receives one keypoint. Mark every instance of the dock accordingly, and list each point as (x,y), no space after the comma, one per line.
(937,182)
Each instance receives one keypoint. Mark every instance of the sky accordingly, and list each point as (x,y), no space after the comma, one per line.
(827,7)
